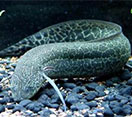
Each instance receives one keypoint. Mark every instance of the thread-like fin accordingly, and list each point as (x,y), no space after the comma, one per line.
(56,89)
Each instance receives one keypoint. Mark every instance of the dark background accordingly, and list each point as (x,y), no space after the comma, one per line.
(23,18)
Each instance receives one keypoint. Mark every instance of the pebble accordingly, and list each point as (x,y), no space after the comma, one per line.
(55,98)
(100,88)
(54,105)
(25,102)
(2,71)
(1,95)
(44,99)
(2,108)
(118,110)
(3,101)
(45,113)
(48,92)
(126,75)
(91,95)
(91,86)
(124,101)
(110,98)
(114,104)
(18,107)
(119,97)
(69,85)
(3,62)
(10,106)
(28,113)
(1,77)
(34,106)
(130,103)
(92,104)
(109,83)
(127,111)
(129,82)
(73,98)
(108,112)
(0,88)
(79,89)
(13,64)
(79,106)
(126,106)
(101,94)
(127,90)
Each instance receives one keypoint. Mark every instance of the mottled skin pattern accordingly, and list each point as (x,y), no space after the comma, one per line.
(77,49)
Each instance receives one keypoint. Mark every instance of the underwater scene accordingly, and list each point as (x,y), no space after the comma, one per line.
(65,58)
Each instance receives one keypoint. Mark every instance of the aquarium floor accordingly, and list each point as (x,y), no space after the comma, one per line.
(96,97)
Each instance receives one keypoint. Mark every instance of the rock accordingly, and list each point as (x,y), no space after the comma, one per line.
(36,109)
(11,99)
(69,85)
(108,112)
(92,86)
(79,89)
(2,108)
(100,94)
(1,95)
(127,111)
(127,106)
(126,75)
(0,88)
(45,113)
(99,115)
(49,92)
(3,101)
(119,97)
(8,67)
(54,105)
(73,98)
(124,101)
(2,71)
(8,99)
(110,98)
(91,95)
(34,106)
(44,99)
(18,107)
(1,77)
(105,104)
(114,104)
(118,110)
(129,82)
(130,103)
(3,62)
(109,83)
(126,90)
(25,102)
(100,88)
(28,113)
(79,83)
(83,100)
(55,98)
(13,64)
(79,106)
(92,104)
(11,106)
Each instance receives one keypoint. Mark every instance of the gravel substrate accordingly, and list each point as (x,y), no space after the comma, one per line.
(84,98)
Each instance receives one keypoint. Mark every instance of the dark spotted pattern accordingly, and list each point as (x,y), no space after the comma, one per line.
(71,49)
